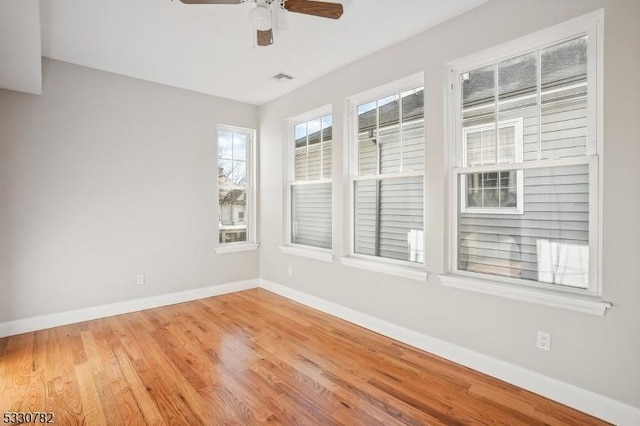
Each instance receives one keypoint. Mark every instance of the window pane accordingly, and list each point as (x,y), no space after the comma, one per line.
(327,133)
(389,134)
(564,99)
(389,218)
(491,190)
(225,150)
(413,130)
(239,172)
(327,127)
(326,160)
(507,145)
(488,147)
(518,82)
(232,220)
(564,65)
(301,163)
(367,117)
(367,157)
(239,146)
(388,111)
(224,172)
(549,242)
(311,215)
(313,129)
(313,162)
(474,149)
(478,96)
(300,134)
(389,139)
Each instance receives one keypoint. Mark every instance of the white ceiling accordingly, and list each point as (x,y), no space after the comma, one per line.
(210,48)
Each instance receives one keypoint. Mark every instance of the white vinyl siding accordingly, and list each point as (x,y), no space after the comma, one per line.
(388,177)
(388,218)
(556,215)
(310,191)
(550,91)
(311,214)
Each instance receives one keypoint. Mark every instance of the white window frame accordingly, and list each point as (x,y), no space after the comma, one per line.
(589,300)
(406,269)
(289,247)
(516,123)
(250,212)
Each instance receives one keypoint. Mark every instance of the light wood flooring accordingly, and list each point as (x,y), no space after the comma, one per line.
(249,358)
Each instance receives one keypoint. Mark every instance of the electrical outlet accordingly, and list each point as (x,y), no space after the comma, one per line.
(544,341)
(290,270)
(140,279)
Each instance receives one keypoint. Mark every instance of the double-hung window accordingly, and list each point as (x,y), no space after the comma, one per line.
(235,185)
(387,176)
(525,153)
(310,182)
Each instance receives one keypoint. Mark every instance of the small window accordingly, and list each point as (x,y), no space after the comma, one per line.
(310,187)
(235,191)
(388,176)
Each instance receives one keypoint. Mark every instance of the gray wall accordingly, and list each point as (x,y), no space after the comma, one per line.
(104,177)
(595,353)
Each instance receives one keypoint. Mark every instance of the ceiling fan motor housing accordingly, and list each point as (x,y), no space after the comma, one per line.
(261,18)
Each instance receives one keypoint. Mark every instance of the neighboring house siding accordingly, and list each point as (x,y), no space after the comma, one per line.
(311,162)
(312,214)
(400,212)
(556,203)
(564,130)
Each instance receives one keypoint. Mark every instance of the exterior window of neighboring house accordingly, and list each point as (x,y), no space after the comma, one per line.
(525,199)
(235,191)
(492,192)
(310,182)
(387,175)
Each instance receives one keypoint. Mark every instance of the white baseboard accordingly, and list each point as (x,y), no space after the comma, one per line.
(572,396)
(583,400)
(26,325)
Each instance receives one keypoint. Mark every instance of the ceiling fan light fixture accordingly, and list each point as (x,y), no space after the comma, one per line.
(261,18)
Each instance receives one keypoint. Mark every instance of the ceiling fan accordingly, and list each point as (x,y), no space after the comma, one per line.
(261,15)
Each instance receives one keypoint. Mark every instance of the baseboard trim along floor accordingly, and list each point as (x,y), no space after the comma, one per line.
(27,325)
(583,400)
(586,401)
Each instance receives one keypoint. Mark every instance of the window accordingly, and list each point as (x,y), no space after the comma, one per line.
(388,176)
(310,189)
(525,199)
(235,191)
(492,192)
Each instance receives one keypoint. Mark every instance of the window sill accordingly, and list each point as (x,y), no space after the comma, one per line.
(234,248)
(317,254)
(385,268)
(573,302)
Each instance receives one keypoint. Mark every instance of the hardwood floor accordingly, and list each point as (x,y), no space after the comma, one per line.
(248,358)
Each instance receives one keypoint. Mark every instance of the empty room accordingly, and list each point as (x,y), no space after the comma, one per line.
(357,212)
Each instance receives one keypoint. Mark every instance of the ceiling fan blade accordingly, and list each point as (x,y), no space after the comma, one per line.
(211,1)
(315,8)
(265,38)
